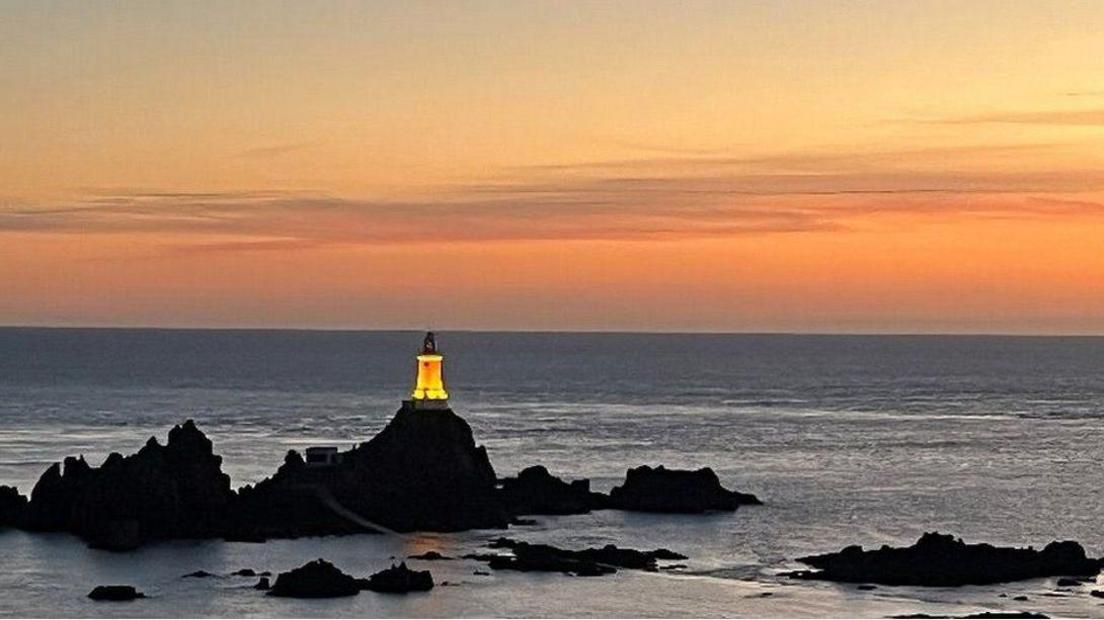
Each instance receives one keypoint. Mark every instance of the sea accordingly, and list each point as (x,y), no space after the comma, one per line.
(866,440)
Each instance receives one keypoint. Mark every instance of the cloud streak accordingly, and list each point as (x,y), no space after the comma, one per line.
(1072,118)
(701,197)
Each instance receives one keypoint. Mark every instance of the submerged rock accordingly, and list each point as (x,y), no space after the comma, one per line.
(982,616)
(173,491)
(429,555)
(534,491)
(423,471)
(398,580)
(115,593)
(12,507)
(317,579)
(586,562)
(943,560)
(658,489)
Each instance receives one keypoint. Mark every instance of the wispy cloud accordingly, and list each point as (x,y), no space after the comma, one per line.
(276,150)
(1093,117)
(650,199)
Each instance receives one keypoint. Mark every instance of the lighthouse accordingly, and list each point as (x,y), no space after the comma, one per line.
(429,386)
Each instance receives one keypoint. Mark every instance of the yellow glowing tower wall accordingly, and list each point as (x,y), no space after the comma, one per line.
(429,387)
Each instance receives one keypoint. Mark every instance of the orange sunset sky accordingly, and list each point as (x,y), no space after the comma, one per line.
(658,166)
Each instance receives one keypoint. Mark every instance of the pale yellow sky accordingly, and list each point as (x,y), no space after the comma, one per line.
(733,166)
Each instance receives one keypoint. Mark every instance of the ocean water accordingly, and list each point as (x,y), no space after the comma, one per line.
(848,439)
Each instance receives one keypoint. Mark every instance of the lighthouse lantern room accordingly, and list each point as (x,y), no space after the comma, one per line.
(429,387)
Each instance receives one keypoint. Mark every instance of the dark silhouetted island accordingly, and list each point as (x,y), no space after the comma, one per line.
(592,562)
(115,593)
(422,472)
(940,560)
(399,580)
(317,579)
(658,489)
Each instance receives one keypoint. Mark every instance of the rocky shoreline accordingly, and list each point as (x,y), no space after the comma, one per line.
(425,472)
(940,560)
(422,472)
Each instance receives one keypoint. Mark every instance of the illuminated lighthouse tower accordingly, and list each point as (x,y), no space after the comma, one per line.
(429,388)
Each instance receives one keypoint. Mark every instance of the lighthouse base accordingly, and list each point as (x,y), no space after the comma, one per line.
(426,404)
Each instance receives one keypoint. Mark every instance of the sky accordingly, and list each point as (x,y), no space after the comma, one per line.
(842,167)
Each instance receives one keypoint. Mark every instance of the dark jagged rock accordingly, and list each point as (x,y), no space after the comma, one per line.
(536,492)
(943,560)
(587,562)
(115,593)
(53,496)
(1097,593)
(982,616)
(1009,615)
(658,489)
(398,580)
(249,572)
(423,471)
(429,555)
(199,574)
(262,584)
(1067,582)
(13,506)
(317,579)
(173,491)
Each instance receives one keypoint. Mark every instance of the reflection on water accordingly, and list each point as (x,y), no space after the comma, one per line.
(848,440)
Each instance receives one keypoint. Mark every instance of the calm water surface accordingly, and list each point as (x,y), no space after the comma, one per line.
(865,440)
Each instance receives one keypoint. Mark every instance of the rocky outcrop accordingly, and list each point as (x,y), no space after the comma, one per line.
(53,496)
(13,506)
(658,489)
(317,579)
(429,556)
(173,491)
(536,492)
(423,471)
(115,593)
(399,580)
(943,560)
(528,557)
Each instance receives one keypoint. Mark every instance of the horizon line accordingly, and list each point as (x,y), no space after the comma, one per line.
(612,332)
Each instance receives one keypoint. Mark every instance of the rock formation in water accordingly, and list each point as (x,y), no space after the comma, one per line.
(317,579)
(115,593)
(658,489)
(534,491)
(423,471)
(173,491)
(429,556)
(942,560)
(398,580)
(13,506)
(591,562)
